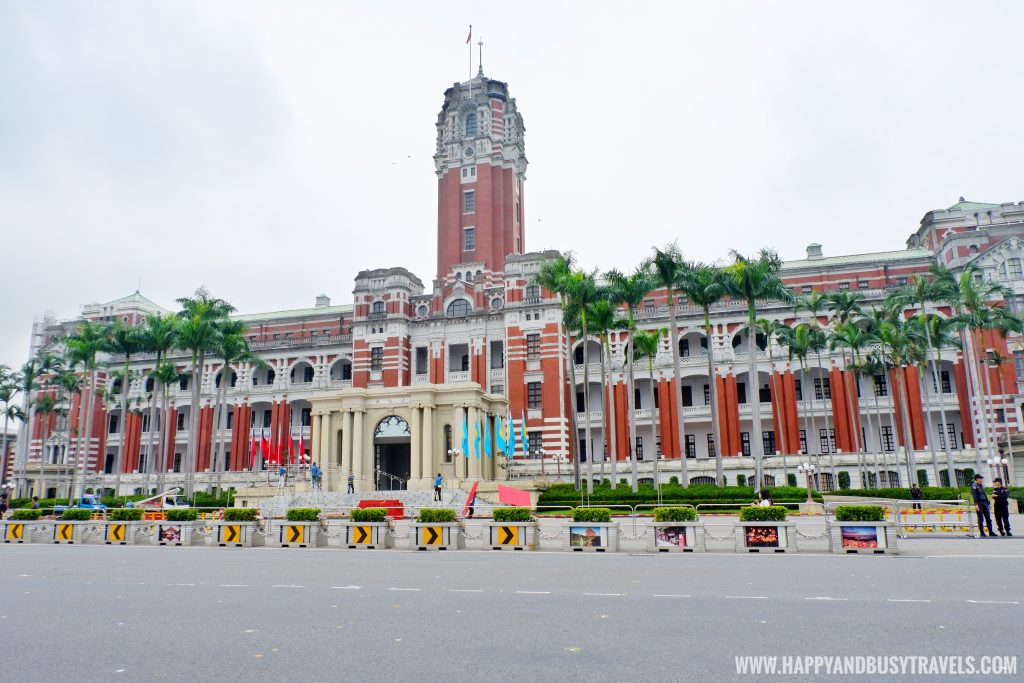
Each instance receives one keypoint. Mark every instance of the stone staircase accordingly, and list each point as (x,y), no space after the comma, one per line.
(335,501)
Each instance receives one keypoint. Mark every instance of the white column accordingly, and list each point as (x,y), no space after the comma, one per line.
(327,457)
(314,436)
(458,433)
(357,448)
(474,431)
(415,445)
(427,454)
(346,443)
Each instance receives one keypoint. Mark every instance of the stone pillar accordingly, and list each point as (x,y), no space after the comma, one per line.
(357,452)
(346,444)
(314,437)
(415,445)
(327,456)
(457,435)
(474,431)
(427,455)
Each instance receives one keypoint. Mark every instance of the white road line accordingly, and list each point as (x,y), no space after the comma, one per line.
(605,595)
(182,584)
(403,589)
(746,597)
(671,595)
(347,588)
(465,590)
(233,585)
(827,598)
(905,600)
(994,602)
(287,585)
(533,592)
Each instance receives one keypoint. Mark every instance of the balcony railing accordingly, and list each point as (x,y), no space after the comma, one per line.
(458,376)
(341,383)
(421,379)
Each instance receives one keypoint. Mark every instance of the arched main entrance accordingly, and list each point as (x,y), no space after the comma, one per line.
(391,453)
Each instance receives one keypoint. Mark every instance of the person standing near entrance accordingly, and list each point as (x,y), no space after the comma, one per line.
(981,506)
(438,482)
(915,494)
(1001,506)
(351,481)
(314,474)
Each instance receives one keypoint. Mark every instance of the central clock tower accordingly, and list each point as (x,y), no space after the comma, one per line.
(480,161)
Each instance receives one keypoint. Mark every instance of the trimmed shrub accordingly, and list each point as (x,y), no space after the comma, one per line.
(741,480)
(303,515)
(673,479)
(25,515)
(566,495)
(369,515)
(791,479)
(517,514)
(185,515)
(860,513)
(773,513)
(437,515)
(844,480)
(125,514)
(675,514)
(927,493)
(922,477)
(240,514)
(77,515)
(591,515)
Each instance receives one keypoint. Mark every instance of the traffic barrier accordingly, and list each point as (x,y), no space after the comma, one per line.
(437,536)
(178,533)
(367,535)
(598,537)
(123,533)
(238,534)
(953,517)
(302,535)
(510,535)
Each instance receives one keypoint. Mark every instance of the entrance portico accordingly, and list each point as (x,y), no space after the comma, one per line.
(382,435)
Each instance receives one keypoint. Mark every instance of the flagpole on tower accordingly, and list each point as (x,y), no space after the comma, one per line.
(480,64)
(469,39)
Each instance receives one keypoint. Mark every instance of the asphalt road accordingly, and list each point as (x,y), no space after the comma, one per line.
(97,613)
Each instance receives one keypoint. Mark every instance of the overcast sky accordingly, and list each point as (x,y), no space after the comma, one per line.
(271,150)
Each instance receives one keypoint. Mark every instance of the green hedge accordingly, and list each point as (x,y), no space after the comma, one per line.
(303,514)
(25,515)
(204,500)
(860,513)
(773,513)
(517,514)
(927,492)
(675,514)
(844,480)
(77,515)
(591,515)
(185,515)
(436,515)
(566,495)
(369,515)
(125,515)
(240,514)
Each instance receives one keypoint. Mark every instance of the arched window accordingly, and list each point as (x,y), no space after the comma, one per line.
(532,292)
(469,276)
(378,307)
(458,309)
(149,384)
(470,125)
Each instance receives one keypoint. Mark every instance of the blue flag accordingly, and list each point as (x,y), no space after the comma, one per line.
(476,441)
(465,436)
(487,436)
(500,439)
(526,442)
(510,443)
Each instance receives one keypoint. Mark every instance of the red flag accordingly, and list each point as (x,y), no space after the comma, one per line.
(470,36)
(264,446)
(302,445)
(252,453)
(291,450)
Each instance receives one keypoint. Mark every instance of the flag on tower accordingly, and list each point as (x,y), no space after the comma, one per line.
(465,436)
(470,36)
(476,440)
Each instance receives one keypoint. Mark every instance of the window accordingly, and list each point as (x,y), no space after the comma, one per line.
(822,389)
(768,441)
(377,358)
(469,201)
(458,309)
(745,443)
(532,293)
(468,244)
(827,440)
(378,308)
(707,394)
(806,289)
(533,400)
(145,422)
(533,347)
(711,445)
(112,428)
(741,392)
(447,443)
(497,355)
(535,439)
(470,125)
(1013,268)
(844,285)
(177,462)
(881,386)
(951,431)
(691,446)
(639,448)
(684,348)
(798,385)
(687,397)
(266,419)
(803,441)
(181,422)
(901,280)
(306,417)
(637,400)
(863,284)
(887,441)
(468,174)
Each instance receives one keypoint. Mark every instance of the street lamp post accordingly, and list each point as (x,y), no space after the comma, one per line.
(807,469)
(455,454)
(559,459)
(999,467)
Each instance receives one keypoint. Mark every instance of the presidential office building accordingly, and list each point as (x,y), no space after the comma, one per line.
(385,386)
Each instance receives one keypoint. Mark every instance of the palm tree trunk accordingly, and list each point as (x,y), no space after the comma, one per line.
(908,436)
(991,412)
(192,457)
(851,402)
(631,410)
(587,448)
(153,411)
(977,401)
(3,441)
(574,433)
(28,407)
(604,412)
(713,386)
(935,366)
(677,396)
(1006,425)
(781,446)
(654,428)
(119,463)
(826,383)
(613,447)
(754,394)
(928,423)
(88,426)
(881,446)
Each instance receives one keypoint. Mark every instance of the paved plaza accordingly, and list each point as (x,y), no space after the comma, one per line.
(99,613)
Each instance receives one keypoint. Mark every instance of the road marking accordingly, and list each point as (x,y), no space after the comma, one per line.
(347,588)
(827,598)
(905,600)
(746,597)
(465,590)
(287,585)
(606,595)
(403,589)
(233,585)
(994,602)
(182,584)
(671,595)
(533,592)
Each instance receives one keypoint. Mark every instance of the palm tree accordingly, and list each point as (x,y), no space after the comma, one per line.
(44,363)
(231,346)
(645,345)
(123,340)
(630,290)
(704,285)
(898,340)
(46,409)
(845,308)
(552,276)
(69,383)
(815,303)
(159,334)
(8,391)
(849,336)
(997,360)
(164,375)
(753,280)
(582,291)
(775,330)
(84,345)
(669,269)
(200,316)
(602,321)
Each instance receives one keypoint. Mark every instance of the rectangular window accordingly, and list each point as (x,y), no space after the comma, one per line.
(951,431)
(469,174)
(806,289)
(468,201)
(306,417)
(533,347)
(863,284)
(827,440)
(745,443)
(741,393)
(266,419)
(468,239)
(181,422)
(447,443)
(822,389)
(691,446)
(231,418)
(422,363)
(377,358)
(535,440)
(497,355)
(707,394)
(639,448)
(684,348)
(798,385)
(687,396)
(803,441)
(177,462)
(844,285)
(887,440)
(947,387)
(881,386)
(533,395)
(768,441)
(145,422)
(711,445)
(112,428)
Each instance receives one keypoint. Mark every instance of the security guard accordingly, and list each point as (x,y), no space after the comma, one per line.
(1001,506)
